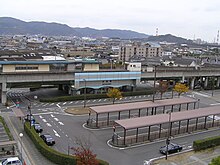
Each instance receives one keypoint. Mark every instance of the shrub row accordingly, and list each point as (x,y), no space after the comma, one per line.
(93,96)
(51,154)
(6,128)
(206,143)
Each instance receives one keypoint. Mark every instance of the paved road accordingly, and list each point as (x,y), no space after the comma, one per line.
(29,153)
(66,128)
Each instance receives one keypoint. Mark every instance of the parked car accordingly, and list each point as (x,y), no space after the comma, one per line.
(38,128)
(48,139)
(11,161)
(172,148)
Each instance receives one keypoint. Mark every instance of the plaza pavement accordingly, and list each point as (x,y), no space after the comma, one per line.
(188,157)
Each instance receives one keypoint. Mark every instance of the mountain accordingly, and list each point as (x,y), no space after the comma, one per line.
(169,38)
(12,26)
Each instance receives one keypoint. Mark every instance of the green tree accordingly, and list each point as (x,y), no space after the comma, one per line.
(180,88)
(215,161)
(114,94)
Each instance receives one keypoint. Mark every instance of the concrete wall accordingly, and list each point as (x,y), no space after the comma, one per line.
(8,68)
(91,67)
(105,79)
(44,68)
(12,68)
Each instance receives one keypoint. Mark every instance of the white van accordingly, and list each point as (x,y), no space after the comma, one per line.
(11,161)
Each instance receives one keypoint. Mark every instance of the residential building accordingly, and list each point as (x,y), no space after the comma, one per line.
(141,50)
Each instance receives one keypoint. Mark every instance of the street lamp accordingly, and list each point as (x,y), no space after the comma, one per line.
(21,135)
(155,74)
(213,79)
(84,92)
(168,136)
(29,109)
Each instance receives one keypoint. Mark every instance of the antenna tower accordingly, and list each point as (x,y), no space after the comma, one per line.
(156,31)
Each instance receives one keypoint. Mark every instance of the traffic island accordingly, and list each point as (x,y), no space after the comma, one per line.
(78,110)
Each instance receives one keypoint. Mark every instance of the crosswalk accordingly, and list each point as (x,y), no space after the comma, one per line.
(36,104)
(68,103)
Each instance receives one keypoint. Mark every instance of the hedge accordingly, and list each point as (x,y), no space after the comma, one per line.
(206,143)
(6,128)
(51,154)
(93,96)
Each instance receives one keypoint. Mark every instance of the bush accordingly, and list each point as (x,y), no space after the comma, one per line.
(215,161)
(51,154)
(93,96)
(206,143)
(6,128)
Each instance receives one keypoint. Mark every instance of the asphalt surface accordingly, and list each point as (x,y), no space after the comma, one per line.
(29,153)
(66,129)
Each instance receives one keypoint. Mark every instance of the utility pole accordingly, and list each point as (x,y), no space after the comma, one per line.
(154,90)
(168,136)
(84,92)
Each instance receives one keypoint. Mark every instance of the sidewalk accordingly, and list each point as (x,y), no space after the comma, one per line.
(203,157)
(30,154)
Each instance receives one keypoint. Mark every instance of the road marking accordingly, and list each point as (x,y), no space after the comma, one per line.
(204,95)
(64,103)
(46,113)
(60,123)
(94,101)
(52,115)
(56,119)
(52,103)
(88,101)
(76,102)
(55,132)
(49,125)
(82,101)
(58,105)
(45,105)
(40,116)
(104,99)
(215,104)
(71,102)
(44,120)
(100,100)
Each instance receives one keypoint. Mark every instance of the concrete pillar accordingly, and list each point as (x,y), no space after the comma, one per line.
(192,83)
(69,90)
(206,82)
(218,81)
(183,79)
(4,90)
(60,87)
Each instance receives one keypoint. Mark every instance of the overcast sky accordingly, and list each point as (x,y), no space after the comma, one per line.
(184,18)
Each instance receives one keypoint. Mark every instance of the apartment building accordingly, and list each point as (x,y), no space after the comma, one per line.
(142,50)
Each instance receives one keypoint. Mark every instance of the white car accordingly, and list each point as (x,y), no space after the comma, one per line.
(11,161)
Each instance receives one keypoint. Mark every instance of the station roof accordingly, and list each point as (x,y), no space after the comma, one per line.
(145,121)
(34,62)
(141,105)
